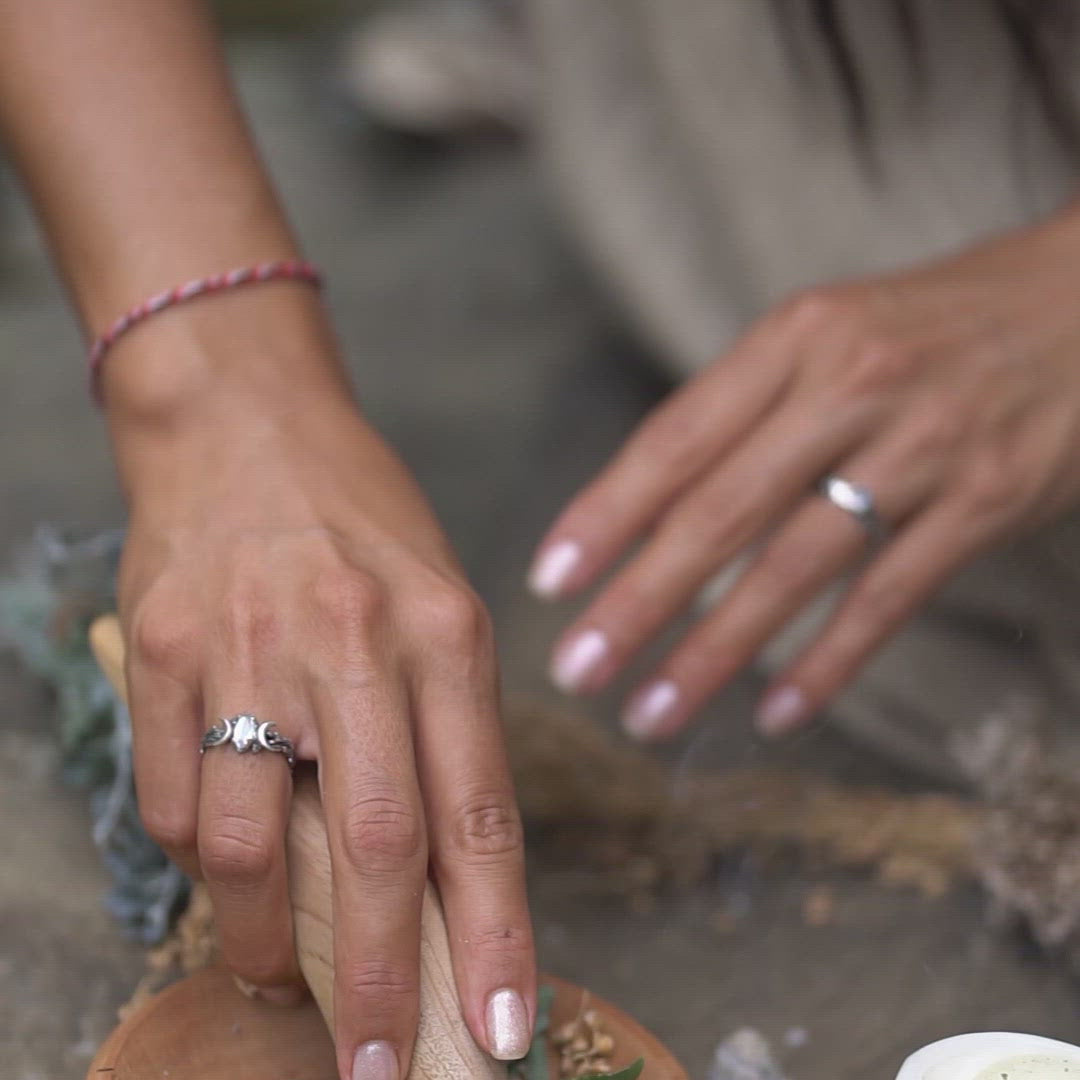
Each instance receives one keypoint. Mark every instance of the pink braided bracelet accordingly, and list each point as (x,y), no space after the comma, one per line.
(284,270)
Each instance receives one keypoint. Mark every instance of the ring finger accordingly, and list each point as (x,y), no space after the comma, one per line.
(243,813)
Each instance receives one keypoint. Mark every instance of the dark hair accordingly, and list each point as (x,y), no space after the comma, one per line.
(1041,33)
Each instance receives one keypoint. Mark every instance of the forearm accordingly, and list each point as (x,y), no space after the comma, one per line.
(123,123)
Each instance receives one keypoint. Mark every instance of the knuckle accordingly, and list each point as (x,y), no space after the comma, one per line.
(711,520)
(485,827)
(874,358)
(662,437)
(824,308)
(503,939)
(169,829)
(692,520)
(935,427)
(989,493)
(163,638)
(878,363)
(236,851)
(455,617)
(874,604)
(381,834)
(991,488)
(382,981)
(352,603)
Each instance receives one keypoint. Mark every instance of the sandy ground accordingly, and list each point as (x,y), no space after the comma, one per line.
(481,347)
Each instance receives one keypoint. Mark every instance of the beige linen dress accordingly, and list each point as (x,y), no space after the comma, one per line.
(706,160)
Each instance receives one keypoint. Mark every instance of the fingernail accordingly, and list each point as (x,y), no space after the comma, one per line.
(507,1026)
(577,659)
(550,571)
(648,710)
(781,710)
(375,1061)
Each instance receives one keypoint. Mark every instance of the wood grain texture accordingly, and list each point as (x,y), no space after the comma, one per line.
(203,1028)
(445,1049)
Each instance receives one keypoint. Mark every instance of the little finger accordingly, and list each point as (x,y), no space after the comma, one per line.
(166,715)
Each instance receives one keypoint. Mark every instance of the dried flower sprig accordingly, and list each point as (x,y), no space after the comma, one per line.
(631,1072)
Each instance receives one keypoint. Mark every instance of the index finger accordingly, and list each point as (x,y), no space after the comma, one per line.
(670,449)
(476,841)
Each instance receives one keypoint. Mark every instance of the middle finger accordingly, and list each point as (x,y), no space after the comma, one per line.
(378,855)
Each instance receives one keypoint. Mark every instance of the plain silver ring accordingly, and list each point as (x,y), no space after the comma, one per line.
(853,499)
(248,735)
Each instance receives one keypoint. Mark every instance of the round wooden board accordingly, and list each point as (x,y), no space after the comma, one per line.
(203,1028)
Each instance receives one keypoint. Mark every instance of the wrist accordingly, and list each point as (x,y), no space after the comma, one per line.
(219,378)
(271,341)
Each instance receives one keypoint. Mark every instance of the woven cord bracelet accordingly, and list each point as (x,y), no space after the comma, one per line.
(284,270)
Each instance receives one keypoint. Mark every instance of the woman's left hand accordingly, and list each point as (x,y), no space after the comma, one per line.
(951,392)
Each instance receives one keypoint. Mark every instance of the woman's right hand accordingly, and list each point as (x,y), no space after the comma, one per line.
(282,562)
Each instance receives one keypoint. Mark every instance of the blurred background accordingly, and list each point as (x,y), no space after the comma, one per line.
(471,322)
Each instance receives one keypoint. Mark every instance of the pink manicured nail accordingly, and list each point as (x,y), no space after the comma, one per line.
(781,710)
(507,1026)
(578,659)
(375,1061)
(648,710)
(549,573)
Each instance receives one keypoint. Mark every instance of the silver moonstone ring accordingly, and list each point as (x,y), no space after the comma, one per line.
(856,500)
(248,735)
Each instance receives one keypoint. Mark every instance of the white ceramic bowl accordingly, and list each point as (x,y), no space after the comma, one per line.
(993,1055)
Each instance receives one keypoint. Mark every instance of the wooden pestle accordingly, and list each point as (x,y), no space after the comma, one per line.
(445,1049)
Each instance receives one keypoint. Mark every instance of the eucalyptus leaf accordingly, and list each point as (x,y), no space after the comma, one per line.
(59,583)
(534,1065)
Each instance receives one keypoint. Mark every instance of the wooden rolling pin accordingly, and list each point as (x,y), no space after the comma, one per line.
(445,1049)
